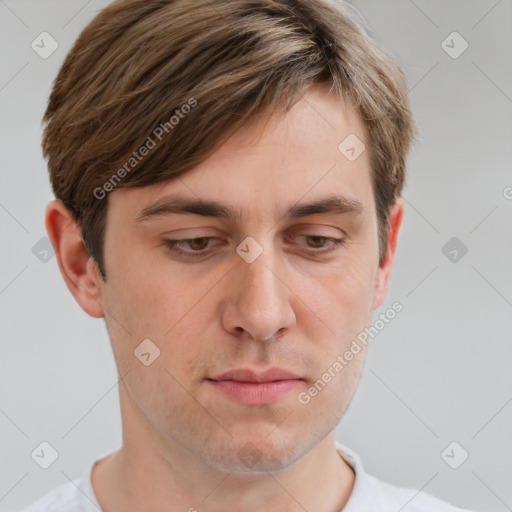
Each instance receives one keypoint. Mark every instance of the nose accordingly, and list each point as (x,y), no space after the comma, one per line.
(258,298)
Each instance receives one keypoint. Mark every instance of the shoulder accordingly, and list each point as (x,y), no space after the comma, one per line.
(391,497)
(66,497)
(61,498)
(77,495)
(373,495)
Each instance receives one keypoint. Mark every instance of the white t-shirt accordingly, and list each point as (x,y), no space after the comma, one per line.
(368,495)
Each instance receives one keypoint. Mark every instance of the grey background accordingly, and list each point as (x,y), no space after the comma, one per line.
(439,372)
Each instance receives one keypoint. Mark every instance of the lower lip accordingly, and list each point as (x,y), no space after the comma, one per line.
(254,393)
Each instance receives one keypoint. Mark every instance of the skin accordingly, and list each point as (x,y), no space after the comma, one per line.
(292,307)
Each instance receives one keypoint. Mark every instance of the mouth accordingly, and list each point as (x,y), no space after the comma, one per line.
(255,393)
(252,388)
(248,375)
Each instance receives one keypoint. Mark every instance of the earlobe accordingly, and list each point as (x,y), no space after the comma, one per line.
(76,265)
(384,271)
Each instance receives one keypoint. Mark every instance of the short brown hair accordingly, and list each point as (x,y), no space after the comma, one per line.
(139,62)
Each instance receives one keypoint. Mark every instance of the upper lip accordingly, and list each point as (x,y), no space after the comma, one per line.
(247,375)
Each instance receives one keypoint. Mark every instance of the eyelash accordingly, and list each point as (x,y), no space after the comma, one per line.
(172,245)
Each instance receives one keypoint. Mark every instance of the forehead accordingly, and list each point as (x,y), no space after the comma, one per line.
(272,162)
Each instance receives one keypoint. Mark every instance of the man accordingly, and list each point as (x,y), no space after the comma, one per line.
(228,177)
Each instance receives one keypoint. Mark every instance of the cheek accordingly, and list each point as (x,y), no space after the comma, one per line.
(341,294)
(338,310)
(152,295)
(341,302)
(173,310)
(335,384)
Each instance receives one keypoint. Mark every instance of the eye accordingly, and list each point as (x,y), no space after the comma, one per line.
(319,243)
(199,246)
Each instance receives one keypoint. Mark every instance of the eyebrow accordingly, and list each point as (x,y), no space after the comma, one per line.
(333,205)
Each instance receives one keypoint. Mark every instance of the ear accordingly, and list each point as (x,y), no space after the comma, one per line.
(77,267)
(384,270)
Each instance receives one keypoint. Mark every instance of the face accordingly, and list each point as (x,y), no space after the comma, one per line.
(209,309)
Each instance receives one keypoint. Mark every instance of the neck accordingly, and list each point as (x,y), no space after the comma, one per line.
(153,473)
